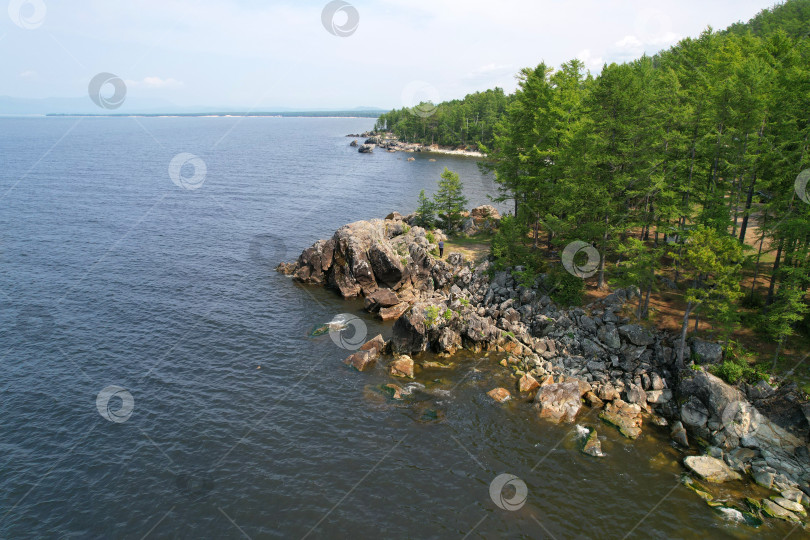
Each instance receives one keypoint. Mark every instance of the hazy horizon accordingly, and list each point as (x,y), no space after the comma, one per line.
(247,56)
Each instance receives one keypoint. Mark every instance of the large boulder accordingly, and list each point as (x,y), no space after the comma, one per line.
(715,395)
(386,264)
(559,401)
(365,256)
(711,469)
(410,332)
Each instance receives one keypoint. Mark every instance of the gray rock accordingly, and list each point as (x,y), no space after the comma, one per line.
(587,324)
(659,397)
(719,399)
(763,478)
(705,351)
(636,394)
(609,335)
(590,349)
(637,335)
(678,434)
(711,469)
(761,390)
(694,413)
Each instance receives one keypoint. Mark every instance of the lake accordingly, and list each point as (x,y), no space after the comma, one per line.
(161,380)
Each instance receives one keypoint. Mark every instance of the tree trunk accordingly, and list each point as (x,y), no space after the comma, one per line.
(772,286)
(646,312)
(684,330)
(601,283)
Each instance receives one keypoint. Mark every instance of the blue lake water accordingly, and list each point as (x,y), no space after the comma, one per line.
(240,422)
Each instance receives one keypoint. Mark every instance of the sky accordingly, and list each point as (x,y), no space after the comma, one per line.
(306,54)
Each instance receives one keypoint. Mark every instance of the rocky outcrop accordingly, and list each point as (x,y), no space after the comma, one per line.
(559,356)
(481,219)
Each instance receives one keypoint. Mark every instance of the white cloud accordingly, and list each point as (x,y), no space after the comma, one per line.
(28,74)
(629,42)
(592,62)
(154,83)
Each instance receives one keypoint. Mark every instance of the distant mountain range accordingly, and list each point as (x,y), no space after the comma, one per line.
(83,106)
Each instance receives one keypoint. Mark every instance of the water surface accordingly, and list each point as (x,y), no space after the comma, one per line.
(242,423)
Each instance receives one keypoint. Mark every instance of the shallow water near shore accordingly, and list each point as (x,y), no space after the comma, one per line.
(243,423)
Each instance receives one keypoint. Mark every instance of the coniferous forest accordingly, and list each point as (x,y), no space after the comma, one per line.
(687,171)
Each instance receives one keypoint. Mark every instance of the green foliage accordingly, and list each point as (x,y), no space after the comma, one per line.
(463,301)
(448,314)
(431,238)
(568,288)
(431,316)
(449,200)
(425,211)
(467,121)
(739,364)
(670,159)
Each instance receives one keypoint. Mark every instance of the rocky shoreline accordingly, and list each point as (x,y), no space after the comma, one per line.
(567,361)
(390,143)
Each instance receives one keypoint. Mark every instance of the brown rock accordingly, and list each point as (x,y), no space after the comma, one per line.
(625,416)
(376,344)
(402,367)
(500,394)
(608,392)
(394,312)
(711,469)
(593,401)
(528,383)
(549,379)
(394,390)
(362,360)
(381,298)
(560,401)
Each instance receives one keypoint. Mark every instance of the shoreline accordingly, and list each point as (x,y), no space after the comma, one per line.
(565,361)
(390,143)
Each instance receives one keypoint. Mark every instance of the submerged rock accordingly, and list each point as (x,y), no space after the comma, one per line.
(500,394)
(402,367)
(774,510)
(592,446)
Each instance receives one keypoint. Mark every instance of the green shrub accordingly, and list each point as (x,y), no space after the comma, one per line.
(568,288)
(431,238)
(431,314)
(739,364)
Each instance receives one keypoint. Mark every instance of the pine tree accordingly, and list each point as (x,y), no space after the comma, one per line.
(449,200)
(425,211)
